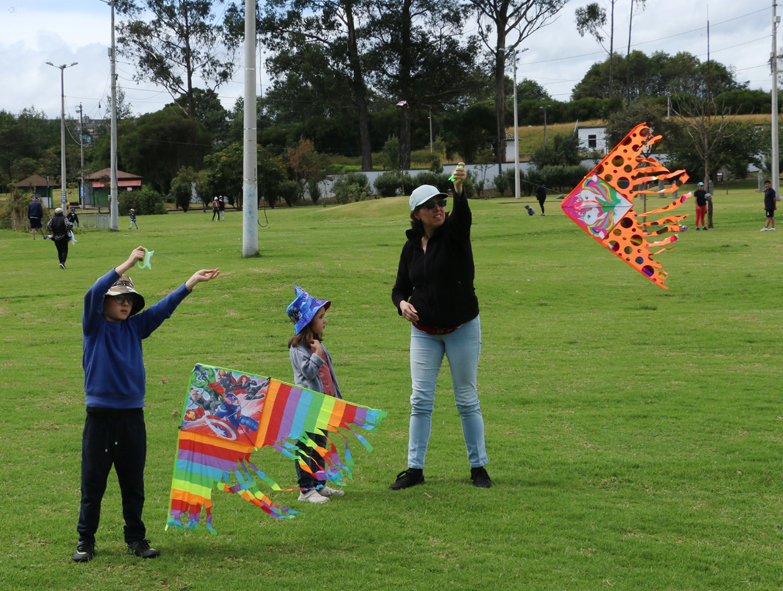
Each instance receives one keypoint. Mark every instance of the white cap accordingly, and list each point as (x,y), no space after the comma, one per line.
(424,194)
(58,210)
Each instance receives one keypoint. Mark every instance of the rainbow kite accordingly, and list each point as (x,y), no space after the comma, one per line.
(602,203)
(228,414)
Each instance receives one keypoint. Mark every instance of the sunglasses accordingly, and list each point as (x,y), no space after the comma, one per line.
(121,299)
(433,204)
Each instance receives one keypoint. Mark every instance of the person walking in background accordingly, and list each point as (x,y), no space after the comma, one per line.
(701,205)
(434,292)
(215,209)
(73,219)
(770,205)
(35,216)
(541,195)
(133,220)
(222,202)
(59,228)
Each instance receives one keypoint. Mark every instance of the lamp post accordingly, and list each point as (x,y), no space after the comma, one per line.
(544,108)
(516,124)
(63,196)
(250,139)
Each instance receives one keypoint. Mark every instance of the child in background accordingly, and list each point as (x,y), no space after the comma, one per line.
(133,220)
(114,386)
(312,370)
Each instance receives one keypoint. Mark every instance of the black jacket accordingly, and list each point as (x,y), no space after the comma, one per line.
(439,282)
(35,210)
(59,227)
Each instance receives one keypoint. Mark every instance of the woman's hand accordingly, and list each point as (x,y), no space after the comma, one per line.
(201,276)
(459,177)
(408,311)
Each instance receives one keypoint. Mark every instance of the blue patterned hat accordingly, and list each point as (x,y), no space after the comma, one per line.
(303,309)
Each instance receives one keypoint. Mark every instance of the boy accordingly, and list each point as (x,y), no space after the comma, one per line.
(133,220)
(770,206)
(114,385)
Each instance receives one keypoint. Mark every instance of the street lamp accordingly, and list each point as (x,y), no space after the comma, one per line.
(63,196)
(516,124)
(545,108)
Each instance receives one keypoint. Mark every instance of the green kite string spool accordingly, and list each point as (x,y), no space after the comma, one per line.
(147,256)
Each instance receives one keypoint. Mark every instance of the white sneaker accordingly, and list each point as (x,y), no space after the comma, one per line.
(764,230)
(331,492)
(312,496)
(772,229)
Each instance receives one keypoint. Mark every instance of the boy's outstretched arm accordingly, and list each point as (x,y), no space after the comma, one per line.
(201,276)
(93,299)
(135,256)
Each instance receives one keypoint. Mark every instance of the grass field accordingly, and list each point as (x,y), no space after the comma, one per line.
(634,433)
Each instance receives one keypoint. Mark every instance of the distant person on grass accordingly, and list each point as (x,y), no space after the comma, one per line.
(215,209)
(434,292)
(73,219)
(133,220)
(313,370)
(541,195)
(701,205)
(59,228)
(222,202)
(35,216)
(114,385)
(770,205)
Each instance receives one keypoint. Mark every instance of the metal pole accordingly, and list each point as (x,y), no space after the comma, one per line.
(430,131)
(113,205)
(516,133)
(81,147)
(250,152)
(775,148)
(63,196)
(544,129)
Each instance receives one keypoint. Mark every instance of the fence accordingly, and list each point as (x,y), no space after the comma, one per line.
(99,221)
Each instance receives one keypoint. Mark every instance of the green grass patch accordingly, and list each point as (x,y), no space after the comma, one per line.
(634,433)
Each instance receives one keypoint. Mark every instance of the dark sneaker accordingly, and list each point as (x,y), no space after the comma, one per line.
(411,477)
(480,477)
(142,549)
(84,551)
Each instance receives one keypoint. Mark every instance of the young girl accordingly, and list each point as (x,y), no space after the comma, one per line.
(312,370)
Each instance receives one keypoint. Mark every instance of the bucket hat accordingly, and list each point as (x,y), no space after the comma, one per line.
(423,194)
(303,309)
(124,285)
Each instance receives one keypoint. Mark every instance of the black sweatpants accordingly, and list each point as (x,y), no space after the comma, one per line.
(313,461)
(119,438)
(62,249)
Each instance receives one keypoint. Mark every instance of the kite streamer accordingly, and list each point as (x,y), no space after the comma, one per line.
(228,414)
(602,204)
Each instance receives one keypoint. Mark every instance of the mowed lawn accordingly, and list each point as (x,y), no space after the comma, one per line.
(634,433)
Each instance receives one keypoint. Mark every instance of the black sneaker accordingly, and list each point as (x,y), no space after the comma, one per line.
(411,477)
(142,549)
(480,477)
(84,551)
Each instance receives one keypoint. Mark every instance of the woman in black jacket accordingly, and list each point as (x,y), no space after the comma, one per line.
(434,292)
(59,228)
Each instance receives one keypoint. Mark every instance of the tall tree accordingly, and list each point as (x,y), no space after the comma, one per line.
(322,43)
(591,19)
(184,40)
(502,26)
(419,59)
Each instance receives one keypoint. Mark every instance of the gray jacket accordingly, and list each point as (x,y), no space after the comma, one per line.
(306,365)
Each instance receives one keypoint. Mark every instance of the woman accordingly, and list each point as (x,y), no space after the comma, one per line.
(434,292)
(58,226)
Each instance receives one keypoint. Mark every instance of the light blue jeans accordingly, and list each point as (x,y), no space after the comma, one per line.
(462,348)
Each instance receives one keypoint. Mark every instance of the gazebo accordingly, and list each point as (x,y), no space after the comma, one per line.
(100,185)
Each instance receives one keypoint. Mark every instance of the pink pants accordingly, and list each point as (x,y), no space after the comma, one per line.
(701,210)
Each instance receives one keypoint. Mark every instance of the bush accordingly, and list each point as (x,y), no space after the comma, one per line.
(430,159)
(501,183)
(391,151)
(289,191)
(351,186)
(144,202)
(561,177)
(180,194)
(388,184)
(441,181)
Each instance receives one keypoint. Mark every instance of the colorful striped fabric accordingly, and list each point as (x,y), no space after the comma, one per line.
(214,445)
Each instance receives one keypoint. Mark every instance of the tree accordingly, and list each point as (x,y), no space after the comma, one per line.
(417,47)
(210,112)
(306,165)
(321,43)
(183,185)
(641,111)
(530,90)
(182,41)
(591,19)
(641,4)
(564,151)
(497,19)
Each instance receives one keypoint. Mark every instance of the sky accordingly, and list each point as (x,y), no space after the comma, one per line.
(33,32)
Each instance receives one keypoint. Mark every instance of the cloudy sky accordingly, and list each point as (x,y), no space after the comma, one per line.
(33,32)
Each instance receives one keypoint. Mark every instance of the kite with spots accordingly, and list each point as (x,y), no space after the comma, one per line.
(229,414)
(602,204)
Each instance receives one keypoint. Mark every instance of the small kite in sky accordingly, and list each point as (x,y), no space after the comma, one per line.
(602,204)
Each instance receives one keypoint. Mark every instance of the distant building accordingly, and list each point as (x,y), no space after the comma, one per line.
(37,185)
(99,186)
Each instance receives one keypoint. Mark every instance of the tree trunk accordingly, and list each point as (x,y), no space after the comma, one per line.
(359,89)
(406,65)
(405,138)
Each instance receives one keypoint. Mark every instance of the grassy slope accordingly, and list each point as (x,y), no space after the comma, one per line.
(633,432)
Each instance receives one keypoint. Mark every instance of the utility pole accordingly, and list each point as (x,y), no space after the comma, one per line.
(81,146)
(113,204)
(64,194)
(775,148)
(250,151)
(430,118)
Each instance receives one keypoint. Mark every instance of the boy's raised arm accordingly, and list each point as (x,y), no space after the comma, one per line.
(93,299)
(135,256)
